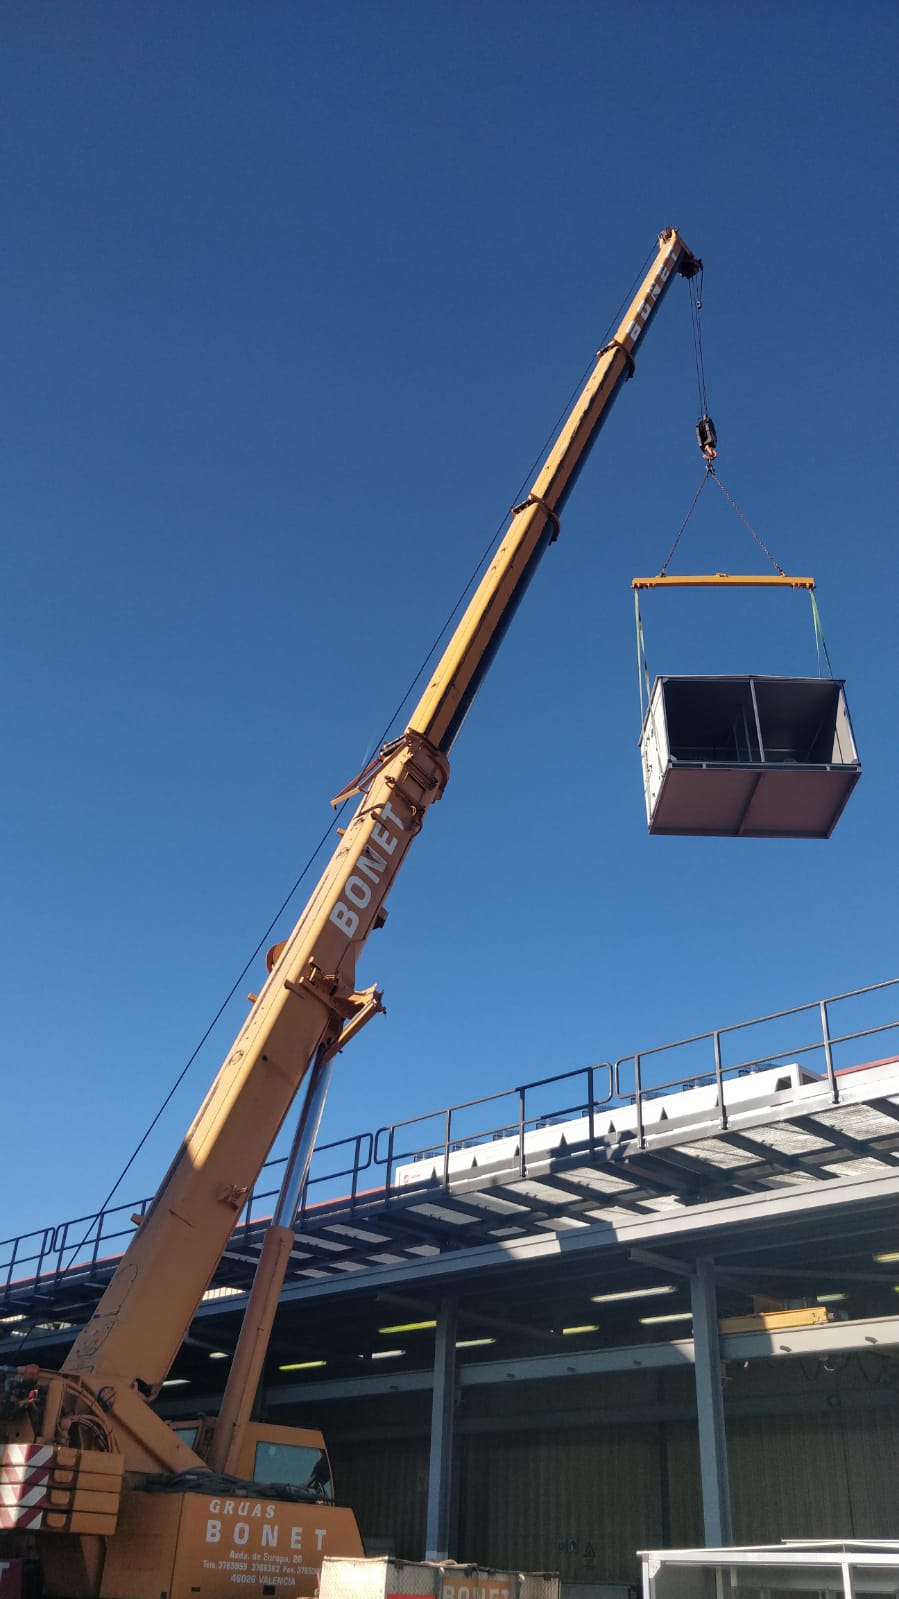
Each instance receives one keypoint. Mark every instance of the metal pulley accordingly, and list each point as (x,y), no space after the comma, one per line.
(707,437)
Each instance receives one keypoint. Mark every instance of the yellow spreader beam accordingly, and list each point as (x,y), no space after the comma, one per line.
(748,580)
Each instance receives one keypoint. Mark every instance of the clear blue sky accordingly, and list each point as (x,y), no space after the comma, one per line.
(293,295)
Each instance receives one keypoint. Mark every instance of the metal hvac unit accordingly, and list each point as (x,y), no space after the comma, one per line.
(747,757)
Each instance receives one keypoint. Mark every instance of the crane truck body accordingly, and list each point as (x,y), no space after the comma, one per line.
(99,1497)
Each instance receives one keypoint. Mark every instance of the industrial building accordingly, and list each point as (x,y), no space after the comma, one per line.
(648,1303)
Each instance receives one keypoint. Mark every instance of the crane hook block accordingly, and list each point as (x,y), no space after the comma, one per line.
(707,436)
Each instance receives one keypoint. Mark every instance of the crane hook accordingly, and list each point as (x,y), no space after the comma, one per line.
(707,437)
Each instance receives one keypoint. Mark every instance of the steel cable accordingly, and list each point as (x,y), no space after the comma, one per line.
(693,504)
(397,712)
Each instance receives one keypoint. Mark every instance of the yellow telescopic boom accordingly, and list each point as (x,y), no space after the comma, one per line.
(128,1346)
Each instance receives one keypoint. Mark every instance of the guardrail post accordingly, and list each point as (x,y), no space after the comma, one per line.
(638,1103)
(389,1178)
(719,1079)
(357,1167)
(828,1053)
(447,1140)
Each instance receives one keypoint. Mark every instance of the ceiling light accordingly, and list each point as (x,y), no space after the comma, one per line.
(882,1260)
(386,1354)
(829,1299)
(676,1315)
(590,1327)
(218,1354)
(302,1365)
(176,1382)
(408,1326)
(632,1293)
(473,1343)
(6,1319)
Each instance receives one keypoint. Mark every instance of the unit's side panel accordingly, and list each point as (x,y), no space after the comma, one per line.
(654,748)
(844,750)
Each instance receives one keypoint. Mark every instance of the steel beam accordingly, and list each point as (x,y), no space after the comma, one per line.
(808,1402)
(714,1221)
(824,1338)
(440,1464)
(717,1225)
(477,1318)
(716,1517)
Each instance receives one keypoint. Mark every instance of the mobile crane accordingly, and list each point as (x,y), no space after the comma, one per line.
(99,1497)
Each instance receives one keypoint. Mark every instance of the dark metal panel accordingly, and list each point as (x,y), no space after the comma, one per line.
(386,1482)
(574,1503)
(815,1476)
(681,1446)
(808,1455)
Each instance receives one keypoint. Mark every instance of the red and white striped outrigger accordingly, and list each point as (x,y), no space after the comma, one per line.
(24,1484)
(58,1489)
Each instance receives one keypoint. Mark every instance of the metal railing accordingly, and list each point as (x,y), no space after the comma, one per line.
(525,1119)
(77,1248)
(819,1036)
(819,1055)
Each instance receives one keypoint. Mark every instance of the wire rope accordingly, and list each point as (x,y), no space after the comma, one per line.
(693,503)
(695,288)
(524,483)
(396,714)
(745,520)
(76,1249)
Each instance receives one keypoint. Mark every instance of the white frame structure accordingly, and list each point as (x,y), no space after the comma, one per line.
(811,1568)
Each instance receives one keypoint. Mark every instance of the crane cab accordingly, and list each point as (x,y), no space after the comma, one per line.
(296,1456)
(242,1533)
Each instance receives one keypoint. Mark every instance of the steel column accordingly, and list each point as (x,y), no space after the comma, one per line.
(440,1465)
(716,1516)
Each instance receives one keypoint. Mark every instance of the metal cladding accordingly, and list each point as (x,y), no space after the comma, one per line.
(747,757)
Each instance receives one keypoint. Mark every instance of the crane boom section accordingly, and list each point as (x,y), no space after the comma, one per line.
(310,995)
(445,703)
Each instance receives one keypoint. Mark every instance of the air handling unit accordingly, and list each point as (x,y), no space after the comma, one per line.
(747,757)
(744,756)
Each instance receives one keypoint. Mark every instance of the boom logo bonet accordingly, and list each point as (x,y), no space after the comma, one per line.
(368,868)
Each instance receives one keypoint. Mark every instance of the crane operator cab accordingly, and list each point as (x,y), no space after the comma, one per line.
(292,1455)
(267,1528)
